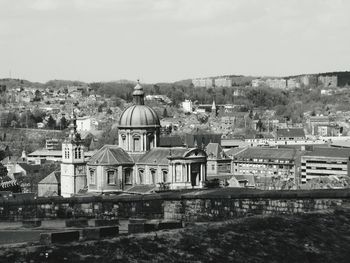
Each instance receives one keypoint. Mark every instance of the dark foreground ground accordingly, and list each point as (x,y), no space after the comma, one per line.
(305,238)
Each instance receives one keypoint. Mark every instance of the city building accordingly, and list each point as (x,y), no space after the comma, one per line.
(328,130)
(86,123)
(270,168)
(293,83)
(187,106)
(52,144)
(328,81)
(218,162)
(257,82)
(50,185)
(223,82)
(290,134)
(325,162)
(73,166)
(315,121)
(203,82)
(276,83)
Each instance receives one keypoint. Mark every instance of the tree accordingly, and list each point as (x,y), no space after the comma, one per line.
(51,123)
(3,173)
(99,109)
(37,95)
(63,123)
(165,113)
(109,111)
(259,125)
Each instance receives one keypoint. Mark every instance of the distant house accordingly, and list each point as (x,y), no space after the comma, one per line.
(201,139)
(50,185)
(218,162)
(171,141)
(290,134)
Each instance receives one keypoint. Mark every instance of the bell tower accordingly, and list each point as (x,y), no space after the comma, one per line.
(73,166)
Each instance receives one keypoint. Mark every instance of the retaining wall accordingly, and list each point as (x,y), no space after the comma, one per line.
(197,205)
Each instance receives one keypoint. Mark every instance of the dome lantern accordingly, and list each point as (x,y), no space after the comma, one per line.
(138,94)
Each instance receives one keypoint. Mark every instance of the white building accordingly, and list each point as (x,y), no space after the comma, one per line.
(86,123)
(223,82)
(187,106)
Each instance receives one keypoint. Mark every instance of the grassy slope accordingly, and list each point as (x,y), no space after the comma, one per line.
(304,238)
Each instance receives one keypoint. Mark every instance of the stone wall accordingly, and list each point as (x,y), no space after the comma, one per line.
(195,210)
(188,205)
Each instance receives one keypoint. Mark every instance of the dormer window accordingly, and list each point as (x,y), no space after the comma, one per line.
(92,177)
(141,176)
(111,177)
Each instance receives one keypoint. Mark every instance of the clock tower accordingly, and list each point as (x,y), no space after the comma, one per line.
(73,166)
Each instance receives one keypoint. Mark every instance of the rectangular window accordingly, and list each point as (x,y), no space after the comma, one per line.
(137,146)
(111,177)
(178,173)
(127,176)
(213,166)
(165,176)
(92,177)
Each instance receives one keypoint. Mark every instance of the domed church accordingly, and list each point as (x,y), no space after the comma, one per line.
(138,163)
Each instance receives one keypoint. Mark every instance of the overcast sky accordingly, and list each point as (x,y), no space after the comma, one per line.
(168,40)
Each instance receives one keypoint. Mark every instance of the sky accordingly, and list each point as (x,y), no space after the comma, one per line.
(170,40)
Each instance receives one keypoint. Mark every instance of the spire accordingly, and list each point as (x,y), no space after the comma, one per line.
(213,107)
(74,136)
(138,94)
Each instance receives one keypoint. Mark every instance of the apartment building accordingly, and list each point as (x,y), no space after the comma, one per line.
(325,162)
(269,167)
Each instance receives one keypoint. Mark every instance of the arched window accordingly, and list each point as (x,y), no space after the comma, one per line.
(79,152)
(92,176)
(141,176)
(75,153)
(137,143)
(153,176)
(150,138)
(165,175)
(123,142)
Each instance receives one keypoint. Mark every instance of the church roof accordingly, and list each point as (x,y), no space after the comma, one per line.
(110,155)
(214,150)
(161,155)
(52,178)
(139,116)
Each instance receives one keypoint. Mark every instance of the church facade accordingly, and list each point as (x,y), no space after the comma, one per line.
(136,161)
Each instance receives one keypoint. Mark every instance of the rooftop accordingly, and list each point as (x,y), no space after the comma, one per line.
(267,153)
(329,152)
(110,155)
(160,155)
(291,132)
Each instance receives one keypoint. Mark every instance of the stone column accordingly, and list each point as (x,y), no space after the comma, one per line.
(188,172)
(129,141)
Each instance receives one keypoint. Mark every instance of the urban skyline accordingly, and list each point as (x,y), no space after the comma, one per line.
(109,40)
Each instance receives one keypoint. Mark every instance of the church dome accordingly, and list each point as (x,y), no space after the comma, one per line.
(139,115)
